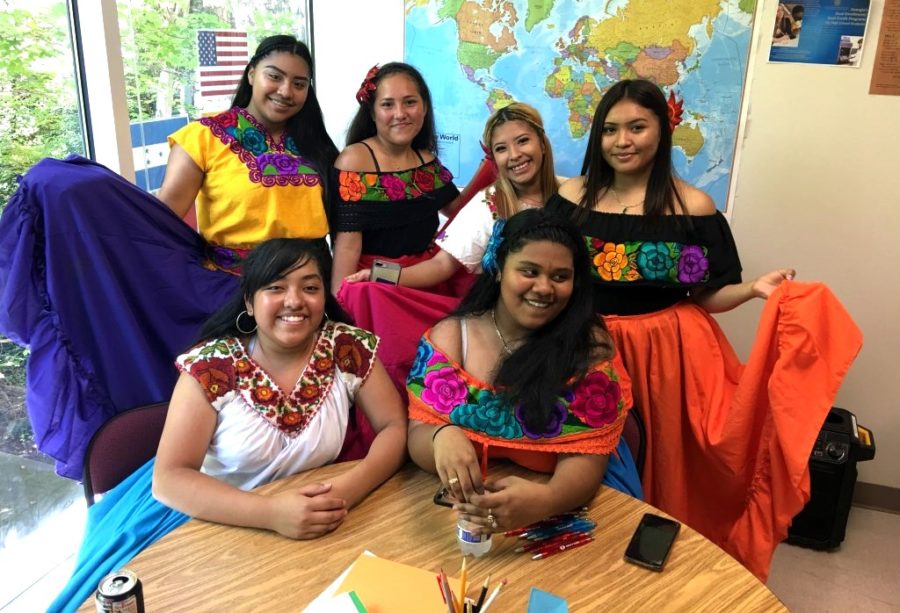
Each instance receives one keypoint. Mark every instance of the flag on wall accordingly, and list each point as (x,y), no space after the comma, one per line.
(150,149)
(223,56)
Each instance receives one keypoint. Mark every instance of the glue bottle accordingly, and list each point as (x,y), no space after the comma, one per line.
(470,542)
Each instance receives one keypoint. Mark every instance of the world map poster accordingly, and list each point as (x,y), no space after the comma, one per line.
(561,56)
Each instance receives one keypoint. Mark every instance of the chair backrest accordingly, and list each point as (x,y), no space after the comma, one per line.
(122,445)
(635,438)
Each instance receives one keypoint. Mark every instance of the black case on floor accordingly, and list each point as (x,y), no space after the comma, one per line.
(840,445)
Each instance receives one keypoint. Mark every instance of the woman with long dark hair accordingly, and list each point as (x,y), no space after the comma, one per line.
(525,370)
(258,170)
(390,183)
(106,284)
(266,393)
(662,259)
(390,187)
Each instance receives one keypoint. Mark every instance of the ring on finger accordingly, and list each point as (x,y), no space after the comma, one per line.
(452,481)
(492,521)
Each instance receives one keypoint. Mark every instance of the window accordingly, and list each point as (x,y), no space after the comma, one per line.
(41,118)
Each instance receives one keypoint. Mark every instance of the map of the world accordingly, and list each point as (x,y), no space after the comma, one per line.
(561,56)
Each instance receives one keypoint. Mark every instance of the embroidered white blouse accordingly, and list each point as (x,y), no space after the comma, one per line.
(264,433)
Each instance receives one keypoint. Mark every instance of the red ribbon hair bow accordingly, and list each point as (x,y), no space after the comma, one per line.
(364,94)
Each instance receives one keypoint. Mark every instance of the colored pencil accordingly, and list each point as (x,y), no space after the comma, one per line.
(492,597)
(441,587)
(449,599)
(484,589)
(462,584)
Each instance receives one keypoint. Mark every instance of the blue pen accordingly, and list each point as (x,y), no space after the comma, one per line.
(553,528)
(567,525)
(582,525)
(538,529)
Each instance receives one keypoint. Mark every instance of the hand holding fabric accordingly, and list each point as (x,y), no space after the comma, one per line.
(765,284)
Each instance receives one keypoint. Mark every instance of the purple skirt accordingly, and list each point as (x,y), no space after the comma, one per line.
(106,285)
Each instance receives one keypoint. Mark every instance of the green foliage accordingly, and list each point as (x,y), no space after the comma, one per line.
(40,111)
(12,362)
(159,48)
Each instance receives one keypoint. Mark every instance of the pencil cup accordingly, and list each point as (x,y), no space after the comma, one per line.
(470,542)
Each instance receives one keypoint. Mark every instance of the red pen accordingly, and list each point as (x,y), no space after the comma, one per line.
(551,551)
(563,537)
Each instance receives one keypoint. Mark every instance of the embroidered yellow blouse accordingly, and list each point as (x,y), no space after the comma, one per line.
(255,189)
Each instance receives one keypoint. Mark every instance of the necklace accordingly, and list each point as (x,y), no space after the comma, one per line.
(506,346)
(531,202)
(624,206)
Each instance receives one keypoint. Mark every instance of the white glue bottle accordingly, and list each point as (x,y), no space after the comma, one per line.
(470,542)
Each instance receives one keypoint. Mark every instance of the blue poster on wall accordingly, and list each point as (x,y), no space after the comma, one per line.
(820,32)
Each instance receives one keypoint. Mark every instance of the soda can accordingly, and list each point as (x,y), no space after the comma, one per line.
(120,592)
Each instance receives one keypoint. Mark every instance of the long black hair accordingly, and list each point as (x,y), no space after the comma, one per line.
(271,260)
(363,124)
(563,349)
(661,194)
(307,127)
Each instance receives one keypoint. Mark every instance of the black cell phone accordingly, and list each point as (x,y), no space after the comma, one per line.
(385,272)
(652,541)
(444,498)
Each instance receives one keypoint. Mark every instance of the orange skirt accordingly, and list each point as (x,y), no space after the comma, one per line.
(728,444)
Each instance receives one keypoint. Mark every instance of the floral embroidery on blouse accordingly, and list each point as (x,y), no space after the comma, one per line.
(648,260)
(392,186)
(224,369)
(594,402)
(270,163)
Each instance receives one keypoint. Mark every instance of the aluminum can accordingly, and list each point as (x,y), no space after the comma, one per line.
(120,592)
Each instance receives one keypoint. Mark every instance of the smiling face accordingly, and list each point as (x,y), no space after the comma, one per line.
(630,137)
(399,110)
(289,310)
(535,286)
(519,154)
(280,83)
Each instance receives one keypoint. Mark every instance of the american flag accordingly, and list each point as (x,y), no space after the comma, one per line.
(223,56)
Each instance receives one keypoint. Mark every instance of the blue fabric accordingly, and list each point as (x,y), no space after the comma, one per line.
(621,472)
(122,524)
(106,285)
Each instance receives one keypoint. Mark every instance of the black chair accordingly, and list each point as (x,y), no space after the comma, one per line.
(122,445)
(635,437)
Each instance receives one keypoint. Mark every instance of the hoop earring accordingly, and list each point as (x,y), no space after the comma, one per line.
(237,323)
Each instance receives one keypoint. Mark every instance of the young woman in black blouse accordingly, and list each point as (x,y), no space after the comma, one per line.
(662,259)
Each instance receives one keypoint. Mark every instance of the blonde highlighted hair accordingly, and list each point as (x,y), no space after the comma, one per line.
(506,199)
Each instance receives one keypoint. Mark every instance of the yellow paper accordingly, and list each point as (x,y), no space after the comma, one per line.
(384,586)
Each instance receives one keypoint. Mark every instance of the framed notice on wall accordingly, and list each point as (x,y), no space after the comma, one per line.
(886,70)
(820,32)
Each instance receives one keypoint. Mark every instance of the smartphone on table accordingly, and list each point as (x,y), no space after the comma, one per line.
(652,541)
(385,272)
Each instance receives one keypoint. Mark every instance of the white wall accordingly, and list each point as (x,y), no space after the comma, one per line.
(349,38)
(817,188)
